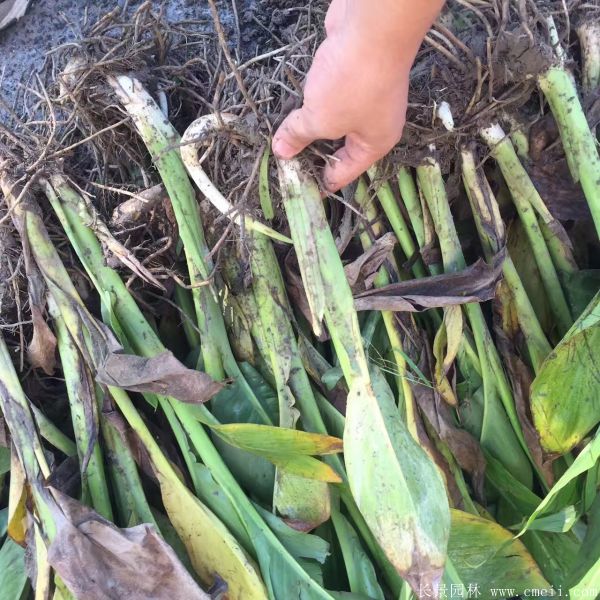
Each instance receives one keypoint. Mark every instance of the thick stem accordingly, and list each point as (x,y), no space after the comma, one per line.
(528,201)
(495,383)
(578,141)
(80,390)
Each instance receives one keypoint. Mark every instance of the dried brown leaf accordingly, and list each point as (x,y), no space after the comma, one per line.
(162,374)
(42,348)
(361,272)
(476,283)
(99,561)
(521,379)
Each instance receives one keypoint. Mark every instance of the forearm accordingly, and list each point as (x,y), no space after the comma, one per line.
(400,25)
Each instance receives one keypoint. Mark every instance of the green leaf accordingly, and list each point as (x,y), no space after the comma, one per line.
(581,287)
(586,574)
(585,461)
(487,557)
(359,568)
(565,396)
(400,492)
(553,552)
(13,577)
(232,405)
(297,543)
(4,460)
(559,522)
(331,377)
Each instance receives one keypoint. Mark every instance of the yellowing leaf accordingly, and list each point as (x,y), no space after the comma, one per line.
(305,466)
(17,495)
(445,348)
(487,556)
(212,549)
(303,502)
(267,440)
(565,396)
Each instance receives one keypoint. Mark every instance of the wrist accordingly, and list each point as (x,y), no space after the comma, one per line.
(394,27)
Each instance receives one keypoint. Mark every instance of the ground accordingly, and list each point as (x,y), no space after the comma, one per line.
(49,23)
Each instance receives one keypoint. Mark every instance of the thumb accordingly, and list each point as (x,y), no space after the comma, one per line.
(352,160)
(293,135)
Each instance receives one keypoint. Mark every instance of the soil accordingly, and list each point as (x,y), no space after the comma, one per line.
(50,23)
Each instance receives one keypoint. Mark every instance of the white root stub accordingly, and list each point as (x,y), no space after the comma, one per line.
(198,134)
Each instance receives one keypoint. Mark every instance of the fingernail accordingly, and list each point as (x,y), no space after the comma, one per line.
(283,150)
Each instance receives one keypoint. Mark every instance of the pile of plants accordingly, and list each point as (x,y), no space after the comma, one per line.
(216,383)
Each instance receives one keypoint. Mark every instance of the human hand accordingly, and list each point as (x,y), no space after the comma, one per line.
(357,87)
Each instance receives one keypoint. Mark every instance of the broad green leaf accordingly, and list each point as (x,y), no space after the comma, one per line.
(232,405)
(297,543)
(13,577)
(553,552)
(211,493)
(565,396)
(487,557)
(397,487)
(359,568)
(212,549)
(581,287)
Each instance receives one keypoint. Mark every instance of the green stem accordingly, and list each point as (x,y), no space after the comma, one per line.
(495,383)
(394,214)
(492,235)
(528,202)
(578,141)
(389,319)
(80,390)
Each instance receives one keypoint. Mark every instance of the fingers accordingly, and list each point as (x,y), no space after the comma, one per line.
(352,160)
(293,135)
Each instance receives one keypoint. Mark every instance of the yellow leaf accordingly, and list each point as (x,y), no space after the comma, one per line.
(17,495)
(268,440)
(212,549)
(305,466)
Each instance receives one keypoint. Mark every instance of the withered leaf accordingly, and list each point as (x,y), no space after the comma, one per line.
(42,348)
(463,445)
(476,283)
(362,271)
(521,379)
(162,374)
(99,561)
